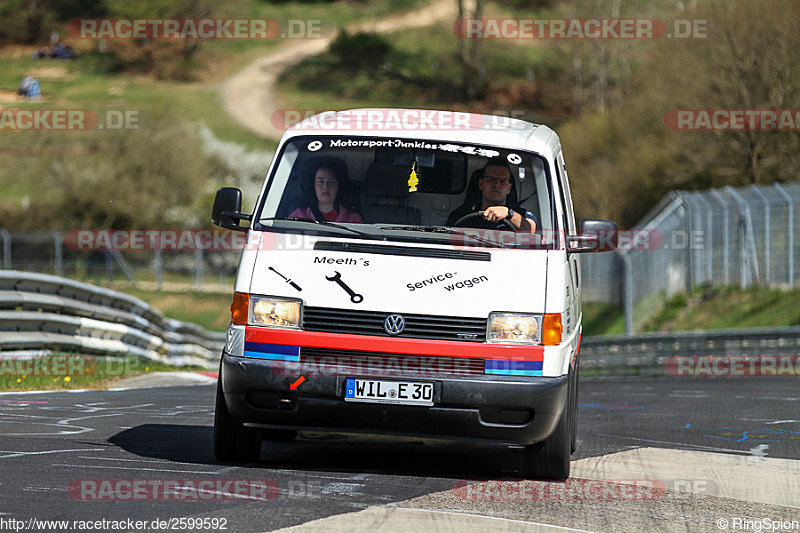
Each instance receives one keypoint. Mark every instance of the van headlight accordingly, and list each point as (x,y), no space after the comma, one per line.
(523,328)
(514,327)
(275,312)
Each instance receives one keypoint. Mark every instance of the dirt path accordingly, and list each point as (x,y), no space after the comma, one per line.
(249,94)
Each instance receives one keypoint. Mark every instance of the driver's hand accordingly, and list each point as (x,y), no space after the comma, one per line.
(496,213)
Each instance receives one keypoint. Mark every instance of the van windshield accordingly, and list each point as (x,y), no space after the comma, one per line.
(404,189)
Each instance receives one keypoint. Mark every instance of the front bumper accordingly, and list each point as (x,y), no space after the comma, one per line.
(510,409)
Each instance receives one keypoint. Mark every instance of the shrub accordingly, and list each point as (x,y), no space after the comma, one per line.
(360,50)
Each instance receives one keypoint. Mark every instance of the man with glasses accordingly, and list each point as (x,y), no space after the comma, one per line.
(495,204)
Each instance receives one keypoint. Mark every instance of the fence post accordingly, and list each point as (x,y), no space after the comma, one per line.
(627,280)
(725,236)
(709,242)
(199,270)
(767,244)
(748,240)
(58,242)
(6,249)
(788,199)
(159,267)
(687,224)
(109,267)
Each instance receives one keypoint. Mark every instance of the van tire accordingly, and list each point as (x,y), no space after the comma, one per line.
(279,435)
(550,459)
(233,442)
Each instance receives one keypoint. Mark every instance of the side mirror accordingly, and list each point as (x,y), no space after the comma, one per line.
(227,209)
(596,235)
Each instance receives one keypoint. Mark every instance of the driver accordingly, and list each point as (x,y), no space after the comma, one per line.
(495,186)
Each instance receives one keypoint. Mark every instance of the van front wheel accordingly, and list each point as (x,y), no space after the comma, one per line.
(233,442)
(549,459)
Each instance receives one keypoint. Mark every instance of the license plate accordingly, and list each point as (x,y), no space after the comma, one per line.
(376,391)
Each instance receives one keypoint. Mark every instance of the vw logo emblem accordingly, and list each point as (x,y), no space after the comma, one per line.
(394,324)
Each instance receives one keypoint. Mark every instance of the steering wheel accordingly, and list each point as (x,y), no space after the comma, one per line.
(480,214)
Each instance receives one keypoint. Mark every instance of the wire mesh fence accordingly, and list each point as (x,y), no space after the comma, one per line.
(55,253)
(732,236)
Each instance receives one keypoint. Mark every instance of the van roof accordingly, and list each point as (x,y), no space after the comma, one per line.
(428,124)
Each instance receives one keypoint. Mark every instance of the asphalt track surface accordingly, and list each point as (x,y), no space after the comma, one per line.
(724,449)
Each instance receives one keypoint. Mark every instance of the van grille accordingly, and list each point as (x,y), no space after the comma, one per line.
(449,328)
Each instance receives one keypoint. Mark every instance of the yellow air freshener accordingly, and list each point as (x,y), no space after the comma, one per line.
(413,181)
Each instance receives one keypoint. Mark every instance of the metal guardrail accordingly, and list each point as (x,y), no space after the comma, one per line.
(40,312)
(647,354)
(54,252)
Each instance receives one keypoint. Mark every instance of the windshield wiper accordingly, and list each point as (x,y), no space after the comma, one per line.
(323,223)
(444,229)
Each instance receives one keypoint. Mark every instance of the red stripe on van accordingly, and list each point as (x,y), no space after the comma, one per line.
(342,341)
(577,351)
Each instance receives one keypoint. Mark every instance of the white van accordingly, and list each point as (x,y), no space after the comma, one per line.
(409,273)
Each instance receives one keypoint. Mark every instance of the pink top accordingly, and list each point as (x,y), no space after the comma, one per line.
(344,215)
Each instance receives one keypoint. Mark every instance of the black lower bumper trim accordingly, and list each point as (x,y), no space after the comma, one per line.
(520,410)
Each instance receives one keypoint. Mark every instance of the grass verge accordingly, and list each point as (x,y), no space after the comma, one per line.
(728,307)
(72,371)
(602,319)
(706,308)
(84,84)
(211,310)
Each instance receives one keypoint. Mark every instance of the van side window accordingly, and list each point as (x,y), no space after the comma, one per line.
(569,213)
(560,193)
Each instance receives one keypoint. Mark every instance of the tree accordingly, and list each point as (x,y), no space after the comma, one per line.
(158,56)
(474,84)
(747,62)
(627,156)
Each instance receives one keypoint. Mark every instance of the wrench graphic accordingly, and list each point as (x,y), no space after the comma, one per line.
(355,298)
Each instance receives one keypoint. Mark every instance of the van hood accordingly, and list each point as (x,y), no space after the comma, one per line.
(400,277)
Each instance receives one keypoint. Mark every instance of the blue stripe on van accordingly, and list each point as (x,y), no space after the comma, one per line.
(277,352)
(505,367)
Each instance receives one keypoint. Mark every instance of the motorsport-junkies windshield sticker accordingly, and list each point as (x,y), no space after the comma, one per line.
(412,145)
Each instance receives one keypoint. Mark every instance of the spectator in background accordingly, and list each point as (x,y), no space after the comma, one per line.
(25,86)
(63,51)
(43,52)
(34,91)
(57,50)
